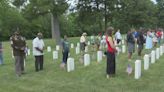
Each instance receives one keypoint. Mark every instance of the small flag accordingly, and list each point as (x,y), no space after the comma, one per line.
(129,69)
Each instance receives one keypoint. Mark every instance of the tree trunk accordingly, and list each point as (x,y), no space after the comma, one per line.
(55,29)
(105,14)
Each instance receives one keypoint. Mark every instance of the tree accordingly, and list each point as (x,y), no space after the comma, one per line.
(160,13)
(43,7)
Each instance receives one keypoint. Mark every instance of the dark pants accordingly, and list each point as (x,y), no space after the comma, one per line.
(19,64)
(111,66)
(39,63)
(118,41)
(82,46)
(65,56)
(140,47)
(1,58)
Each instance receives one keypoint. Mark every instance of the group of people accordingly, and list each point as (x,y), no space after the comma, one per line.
(140,37)
(18,44)
(148,37)
(101,42)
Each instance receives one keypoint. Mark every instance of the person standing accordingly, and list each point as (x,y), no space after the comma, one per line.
(159,35)
(149,40)
(140,41)
(1,54)
(130,43)
(18,45)
(38,48)
(65,51)
(155,39)
(83,42)
(98,40)
(93,43)
(111,50)
(118,36)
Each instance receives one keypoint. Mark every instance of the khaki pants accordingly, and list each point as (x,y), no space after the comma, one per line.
(19,64)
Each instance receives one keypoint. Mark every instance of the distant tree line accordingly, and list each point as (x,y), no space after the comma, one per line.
(54,18)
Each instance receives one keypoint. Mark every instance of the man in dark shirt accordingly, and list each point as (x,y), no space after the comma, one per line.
(1,54)
(131,43)
(140,41)
(65,51)
(18,45)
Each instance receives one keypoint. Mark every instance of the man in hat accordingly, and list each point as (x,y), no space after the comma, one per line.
(18,45)
(83,43)
(38,47)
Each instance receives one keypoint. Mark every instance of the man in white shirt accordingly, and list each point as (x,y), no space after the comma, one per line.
(83,41)
(118,36)
(38,47)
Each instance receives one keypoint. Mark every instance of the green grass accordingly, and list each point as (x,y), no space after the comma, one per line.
(83,79)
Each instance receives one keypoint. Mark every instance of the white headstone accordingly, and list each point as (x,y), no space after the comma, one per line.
(123,41)
(28,52)
(77,50)
(118,50)
(86,59)
(157,53)
(152,56)
(137,74)
(55,55)
(57,47)
(12,54)
(86,48)
(99,56)
(89,43)
(146,62)
(48,49)
(123,48)
(78,44)
(161,50)
(70,64)
(72,45)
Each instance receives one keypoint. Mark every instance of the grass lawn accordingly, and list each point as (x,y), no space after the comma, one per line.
(84,79)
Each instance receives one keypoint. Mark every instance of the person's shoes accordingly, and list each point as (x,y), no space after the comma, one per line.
(62,66)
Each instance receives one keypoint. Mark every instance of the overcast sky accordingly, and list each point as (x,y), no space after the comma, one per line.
(73,2)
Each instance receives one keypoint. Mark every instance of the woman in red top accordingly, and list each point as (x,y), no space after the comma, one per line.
(111,67)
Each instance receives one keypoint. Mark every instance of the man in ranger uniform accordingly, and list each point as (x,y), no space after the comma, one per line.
(18,45)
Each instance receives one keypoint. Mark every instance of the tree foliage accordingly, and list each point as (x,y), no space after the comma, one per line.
(91,16)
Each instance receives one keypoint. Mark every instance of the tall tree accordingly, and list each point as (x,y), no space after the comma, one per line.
(160,14)
(55,8)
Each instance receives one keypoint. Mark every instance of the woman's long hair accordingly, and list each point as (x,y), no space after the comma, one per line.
(109,31)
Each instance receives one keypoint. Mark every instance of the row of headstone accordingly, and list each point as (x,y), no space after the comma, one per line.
(87,60)
(155,55)
(49,48)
